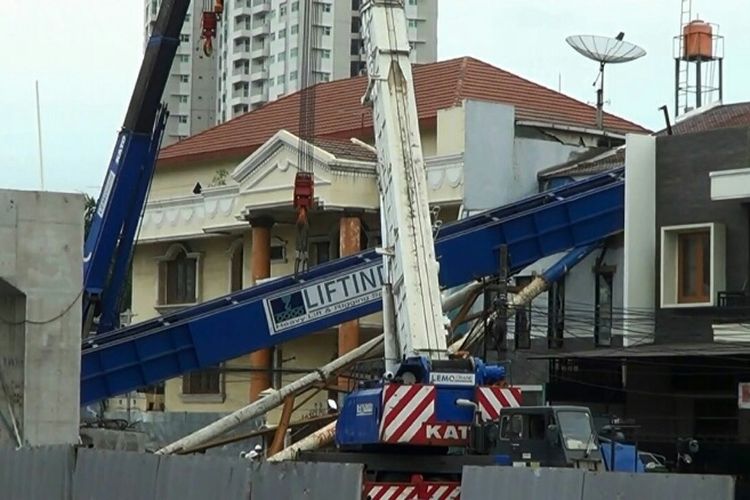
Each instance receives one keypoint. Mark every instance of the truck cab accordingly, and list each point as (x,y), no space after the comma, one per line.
(540,436)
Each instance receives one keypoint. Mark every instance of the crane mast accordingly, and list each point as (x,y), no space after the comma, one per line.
(417,325)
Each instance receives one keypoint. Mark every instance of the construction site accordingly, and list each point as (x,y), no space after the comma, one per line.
(322,263)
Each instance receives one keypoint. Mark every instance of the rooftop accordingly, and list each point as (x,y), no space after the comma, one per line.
(716,117)
(339,111)
(599,159)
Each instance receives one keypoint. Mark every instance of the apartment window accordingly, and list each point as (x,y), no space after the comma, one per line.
(205,382)
(182,98)
(184,37)
(356,47)
(693,268)
(412,2)
(356,68)
(326,30)
(294,29)
(324,77)
(182,118)
(356,24)
(184,58)
(187,18)
(293,52)
(412,23)
(184,78)
(282,33)
(556,313)
(282,10)
(293,75)
(325,54)
(178,275)
(326,7)
(281,56)
(603,279)
(522,318)
(281,79)
(295,6)
(356,4)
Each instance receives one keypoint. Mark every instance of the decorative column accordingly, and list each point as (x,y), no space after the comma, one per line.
(260,265)
(350,233)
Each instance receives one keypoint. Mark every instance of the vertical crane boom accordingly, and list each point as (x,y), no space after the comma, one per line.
(411,269)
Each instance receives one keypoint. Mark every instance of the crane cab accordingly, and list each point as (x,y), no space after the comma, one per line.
(540,436)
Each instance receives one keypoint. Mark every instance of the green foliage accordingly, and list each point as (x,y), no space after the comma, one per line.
(220,178)
(88,212)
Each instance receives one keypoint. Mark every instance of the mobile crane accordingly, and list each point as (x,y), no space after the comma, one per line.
(428,400)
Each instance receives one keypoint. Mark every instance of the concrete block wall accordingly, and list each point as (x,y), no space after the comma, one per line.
(41,276)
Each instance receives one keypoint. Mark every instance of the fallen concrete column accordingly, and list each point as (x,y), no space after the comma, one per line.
(318,439)
(271,401)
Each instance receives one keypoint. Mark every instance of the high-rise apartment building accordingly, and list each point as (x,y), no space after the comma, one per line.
(190,93)
(260,45)
(257,57)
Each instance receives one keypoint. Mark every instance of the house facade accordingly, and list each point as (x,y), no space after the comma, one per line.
(681,370)
(220,217)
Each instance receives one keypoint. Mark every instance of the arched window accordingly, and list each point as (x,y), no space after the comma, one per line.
(178,276)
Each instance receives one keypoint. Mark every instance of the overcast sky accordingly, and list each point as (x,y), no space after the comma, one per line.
(86,56)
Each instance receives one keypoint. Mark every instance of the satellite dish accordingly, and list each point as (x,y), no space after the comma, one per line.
(604,50)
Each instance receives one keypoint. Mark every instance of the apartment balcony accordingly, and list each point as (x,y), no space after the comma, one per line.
(259,74)
(730,184)
(260,6)
(242,9)
(240,52)
(263,29)
(242,31)
(240,75)
(259,97)
(261,51)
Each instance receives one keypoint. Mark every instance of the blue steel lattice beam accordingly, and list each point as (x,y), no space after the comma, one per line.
(283,309)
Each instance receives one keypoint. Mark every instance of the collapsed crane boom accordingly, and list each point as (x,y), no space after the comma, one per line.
(411,269)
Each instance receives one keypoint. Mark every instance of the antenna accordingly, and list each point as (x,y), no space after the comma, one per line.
(604,50)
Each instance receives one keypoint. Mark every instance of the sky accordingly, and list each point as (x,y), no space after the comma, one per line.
(86,57)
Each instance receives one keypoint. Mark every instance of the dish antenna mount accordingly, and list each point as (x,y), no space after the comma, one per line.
(604,50)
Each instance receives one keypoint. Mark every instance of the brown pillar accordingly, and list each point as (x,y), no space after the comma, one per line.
(350,233)
(260,265)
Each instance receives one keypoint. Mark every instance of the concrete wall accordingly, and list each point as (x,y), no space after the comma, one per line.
(640,244)
(41,239)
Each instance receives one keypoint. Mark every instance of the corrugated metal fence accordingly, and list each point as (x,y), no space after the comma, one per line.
(572,484)
(62,473)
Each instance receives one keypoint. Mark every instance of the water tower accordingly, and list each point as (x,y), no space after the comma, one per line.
(698,55)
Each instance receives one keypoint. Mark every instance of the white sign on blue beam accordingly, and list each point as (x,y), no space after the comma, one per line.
(324,297)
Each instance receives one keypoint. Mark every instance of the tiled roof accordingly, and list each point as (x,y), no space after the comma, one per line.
(345,149)
(717,117)
(339,111)
(589,163)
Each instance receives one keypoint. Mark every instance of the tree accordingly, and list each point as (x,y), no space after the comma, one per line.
(89,209)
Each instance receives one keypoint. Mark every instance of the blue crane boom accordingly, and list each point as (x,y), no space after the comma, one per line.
(286,308)
(109,245)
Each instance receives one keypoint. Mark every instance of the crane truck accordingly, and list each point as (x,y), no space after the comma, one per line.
(431,413)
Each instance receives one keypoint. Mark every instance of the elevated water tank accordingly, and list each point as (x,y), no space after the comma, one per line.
(698,43)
